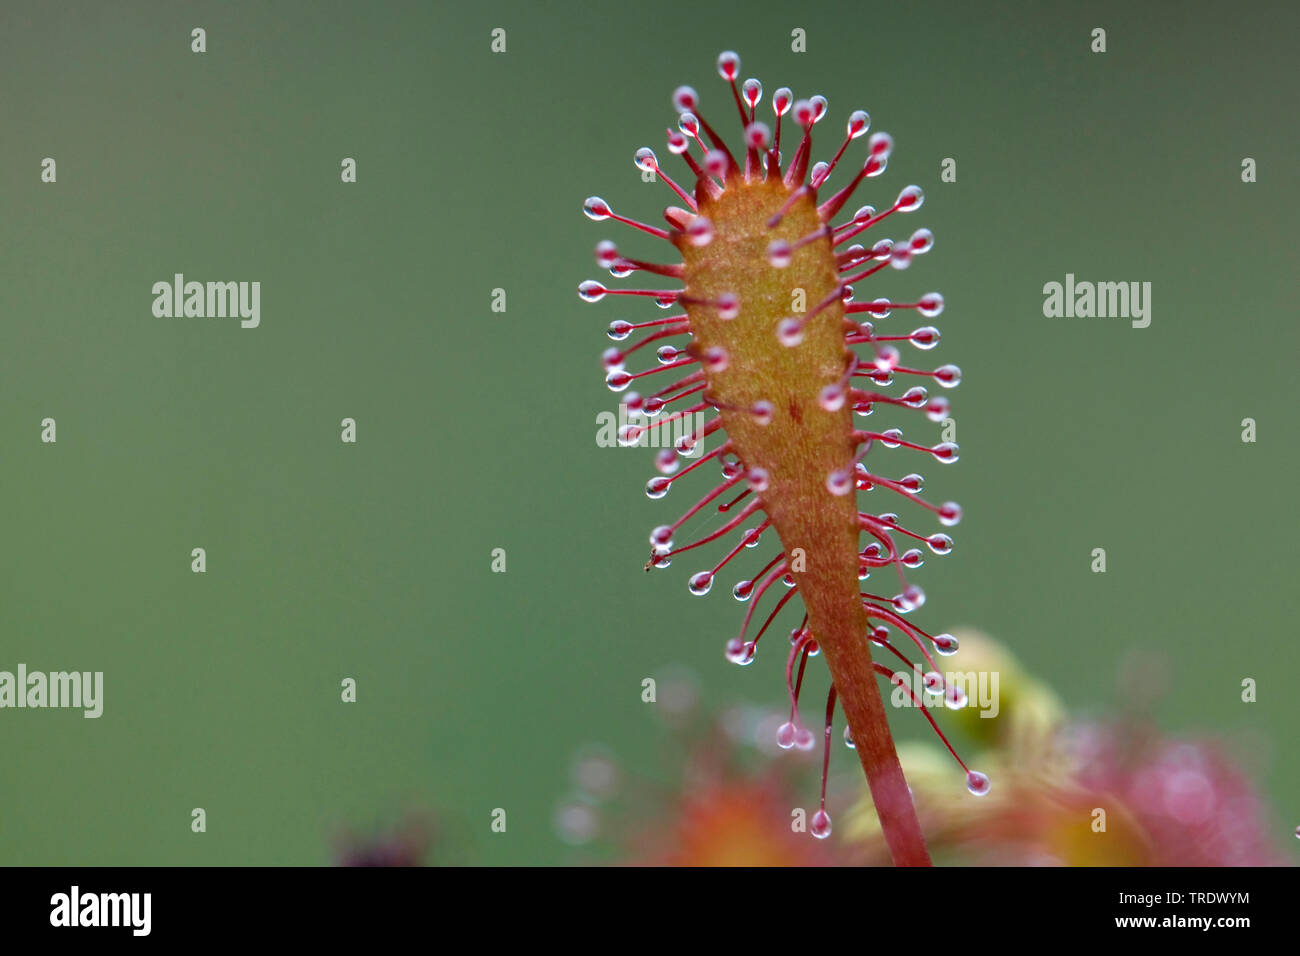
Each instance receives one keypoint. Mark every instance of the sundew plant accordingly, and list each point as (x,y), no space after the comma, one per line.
(777,351)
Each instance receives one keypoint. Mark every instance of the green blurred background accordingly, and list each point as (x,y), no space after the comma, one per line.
(476,429)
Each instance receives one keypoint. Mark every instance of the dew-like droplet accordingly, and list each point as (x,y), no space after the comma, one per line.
(912,558)
(728,305)
(804,113)
(667,354)
(657,487)
(618,379)
(932,681)
(945,644)
(924,338)
(653,406)
(742,591)
(804,739)
(954,698)
(785,735)
(910,199)
(949,513)
(922,241)
(606,254)
(752,91)
(914,595)
(758,136)
(930,304)
(913,483)
(752,537)
(915,397)
(938,409)
(879,308)
(619,329)
(661,538)
(715,358)
(946,452)
(596,208)
(782,100)
(949,376)
(700,231)
(611,359)
(789,332)
(685,99)
(820,825)
(839,482)
(629,435)
(591,291)
(878,634)
(735,650)
(678,142)
(939,543)
(716,163)
(758,479)
(701,583)
(728,65)
(819,107)
(831,398)
(645,160)
(779,253)
(858,123)
(848,739)
(666,461)
(762,411)
(900,257)
(890,437)
(880,145)
(978,783)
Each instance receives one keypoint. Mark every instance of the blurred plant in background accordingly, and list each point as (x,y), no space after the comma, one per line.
(1072,792)
(1112,791)
(731,803)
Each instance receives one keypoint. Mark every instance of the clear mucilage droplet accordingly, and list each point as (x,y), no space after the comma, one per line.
(819,825)
(945,644)
(657,487)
